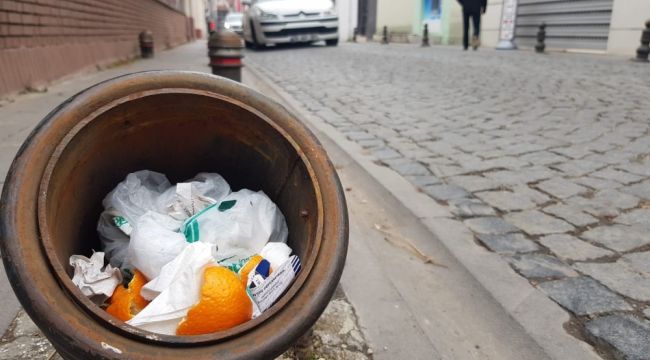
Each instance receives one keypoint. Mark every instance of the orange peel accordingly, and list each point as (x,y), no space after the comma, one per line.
(125,303)
(224,303)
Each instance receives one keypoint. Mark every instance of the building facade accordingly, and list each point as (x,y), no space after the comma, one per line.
(606,26)
(348,15)
(44,41)
(196,11)
(406,18)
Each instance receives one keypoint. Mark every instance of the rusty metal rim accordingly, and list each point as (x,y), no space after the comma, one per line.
(94,310)
(73,331)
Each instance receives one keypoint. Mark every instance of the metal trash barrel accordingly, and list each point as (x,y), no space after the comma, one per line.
(177,123)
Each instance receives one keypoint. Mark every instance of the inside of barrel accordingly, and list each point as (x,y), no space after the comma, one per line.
(178,135)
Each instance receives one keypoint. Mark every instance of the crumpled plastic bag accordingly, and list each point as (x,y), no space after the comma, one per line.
(148,191)
(240,225)
(91,279)
(155,241)
(175,291)
(124,205)
(139,193)
(190,197)
(276,253)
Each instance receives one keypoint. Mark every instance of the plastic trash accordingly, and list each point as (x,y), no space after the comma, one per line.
(148,191)
(190,197)
(171,233)
(140,192)
(155,241)
(91,279)
(175,291)
(259,274)
(115,241)
(240,225)
(276,253)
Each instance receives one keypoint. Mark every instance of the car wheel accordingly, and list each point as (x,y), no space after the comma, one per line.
(332,42)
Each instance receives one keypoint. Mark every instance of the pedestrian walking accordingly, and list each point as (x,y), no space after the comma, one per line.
(472,9)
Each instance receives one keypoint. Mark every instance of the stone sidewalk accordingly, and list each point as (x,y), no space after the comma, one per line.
(336,336)
(546,158)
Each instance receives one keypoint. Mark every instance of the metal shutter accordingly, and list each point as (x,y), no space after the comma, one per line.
(571,24)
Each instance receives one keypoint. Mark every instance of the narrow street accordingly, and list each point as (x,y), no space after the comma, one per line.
(499,201)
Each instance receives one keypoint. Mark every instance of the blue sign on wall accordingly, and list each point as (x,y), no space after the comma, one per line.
(431,10)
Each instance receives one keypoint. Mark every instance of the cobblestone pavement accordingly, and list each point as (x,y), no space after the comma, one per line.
(335,336)
(545,157)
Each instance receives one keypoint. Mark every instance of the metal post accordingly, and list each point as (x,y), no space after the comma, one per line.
(425,35)
(507,30)
(225,49)
(384,37)
(354,35)
(644,50)
(146,44)
(541,37)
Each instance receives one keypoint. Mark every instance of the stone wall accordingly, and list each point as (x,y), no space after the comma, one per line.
(44,40)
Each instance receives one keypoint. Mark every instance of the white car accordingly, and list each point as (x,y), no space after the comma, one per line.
(233,22)
(290,21)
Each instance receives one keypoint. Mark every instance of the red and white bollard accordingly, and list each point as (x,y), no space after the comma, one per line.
(225,49)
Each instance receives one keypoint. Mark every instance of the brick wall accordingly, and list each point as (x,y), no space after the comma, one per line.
(42,40)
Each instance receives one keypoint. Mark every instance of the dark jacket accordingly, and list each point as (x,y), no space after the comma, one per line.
(473,5)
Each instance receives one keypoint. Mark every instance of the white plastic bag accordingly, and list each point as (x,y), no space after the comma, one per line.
(145,191)
(190,197)
(276,254)
(155,241)
(210,185)
(240,225)
(140,192)
(175,291)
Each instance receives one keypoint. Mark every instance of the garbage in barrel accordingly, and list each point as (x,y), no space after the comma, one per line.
(179,124)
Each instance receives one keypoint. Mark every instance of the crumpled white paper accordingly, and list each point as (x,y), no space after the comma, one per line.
(91,279)
(175,290)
